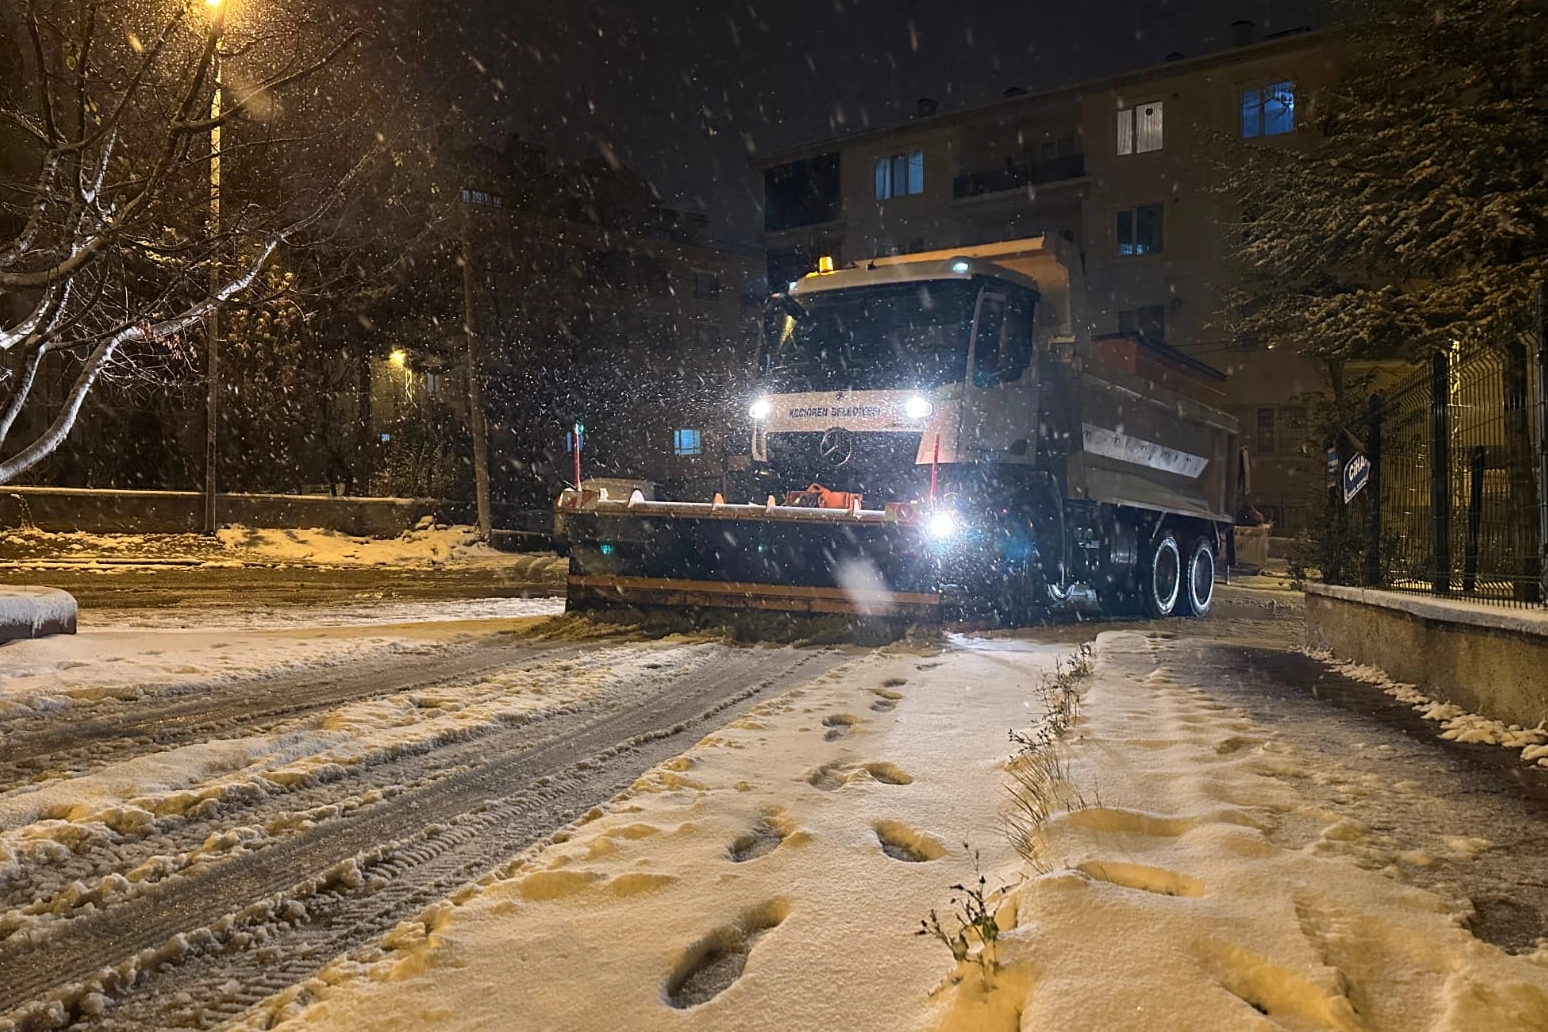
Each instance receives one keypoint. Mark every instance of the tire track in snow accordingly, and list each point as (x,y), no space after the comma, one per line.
(137,727)
(312,889)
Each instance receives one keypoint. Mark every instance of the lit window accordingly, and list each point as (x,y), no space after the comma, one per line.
(1139,230)
(899,175)
(1268,110)
(483,197)
(687,442)
(1139,128)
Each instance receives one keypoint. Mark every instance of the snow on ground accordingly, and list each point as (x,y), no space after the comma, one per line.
(426,545)
(127,654)
(1457,724)
(41,817)
(774,877)
(363,614)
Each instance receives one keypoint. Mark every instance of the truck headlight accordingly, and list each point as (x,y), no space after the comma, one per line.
(943,525)
(917,408)
(760,409)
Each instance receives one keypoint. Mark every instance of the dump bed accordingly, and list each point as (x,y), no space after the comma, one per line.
(1134,440)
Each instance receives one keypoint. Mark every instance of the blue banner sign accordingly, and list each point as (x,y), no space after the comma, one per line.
(1357,473)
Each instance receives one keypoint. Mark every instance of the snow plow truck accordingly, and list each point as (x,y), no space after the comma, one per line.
(939,436)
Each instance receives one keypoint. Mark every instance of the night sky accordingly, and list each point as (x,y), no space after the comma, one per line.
(684,91)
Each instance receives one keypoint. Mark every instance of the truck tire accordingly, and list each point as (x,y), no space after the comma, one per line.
(1198,591)
(1161,577)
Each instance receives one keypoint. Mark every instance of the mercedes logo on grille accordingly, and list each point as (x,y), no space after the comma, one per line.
(836,447)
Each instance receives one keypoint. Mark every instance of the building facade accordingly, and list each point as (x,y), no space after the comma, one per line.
(1128,169)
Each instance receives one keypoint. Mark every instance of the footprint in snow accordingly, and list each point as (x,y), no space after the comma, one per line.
(904,843)
(832,776)
(839,725)
(765,837)
(713,964)
(886,699)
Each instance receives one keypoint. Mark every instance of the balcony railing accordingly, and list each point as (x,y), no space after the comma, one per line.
(1016,177)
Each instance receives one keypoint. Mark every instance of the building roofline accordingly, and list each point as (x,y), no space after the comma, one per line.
(1289,41)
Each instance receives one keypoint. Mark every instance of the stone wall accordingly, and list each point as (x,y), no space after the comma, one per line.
(1489,660)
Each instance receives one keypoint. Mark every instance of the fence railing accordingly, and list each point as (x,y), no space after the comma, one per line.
(1457,496)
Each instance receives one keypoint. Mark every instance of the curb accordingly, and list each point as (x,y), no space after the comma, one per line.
(28,612)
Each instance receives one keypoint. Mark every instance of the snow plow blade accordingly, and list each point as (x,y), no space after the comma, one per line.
(867,562)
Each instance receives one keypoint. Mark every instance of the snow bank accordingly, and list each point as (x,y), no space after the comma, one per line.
(428,544)
(1457,724)
(28,612)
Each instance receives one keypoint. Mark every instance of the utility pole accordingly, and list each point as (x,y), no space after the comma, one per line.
(212,344)
(475,393)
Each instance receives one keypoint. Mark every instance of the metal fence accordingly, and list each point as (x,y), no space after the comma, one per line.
(1457,496)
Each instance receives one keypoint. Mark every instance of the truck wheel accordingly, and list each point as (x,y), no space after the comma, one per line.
(1161,577)
(1199,578)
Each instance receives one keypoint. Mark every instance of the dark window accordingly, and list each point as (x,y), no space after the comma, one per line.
(899,175)
(705,284)
(1268,110)
(1003,345)
(1292,429)
(801,193)
(706,337)
(1139,229)
(1148,322)
(1266,431)
(988,339)
(687,442)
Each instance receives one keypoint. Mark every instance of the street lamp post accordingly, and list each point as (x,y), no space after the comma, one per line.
(212,344)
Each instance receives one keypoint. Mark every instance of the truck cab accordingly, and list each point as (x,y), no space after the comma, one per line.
(874,380)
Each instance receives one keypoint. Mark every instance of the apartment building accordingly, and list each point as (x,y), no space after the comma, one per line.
(1128,168)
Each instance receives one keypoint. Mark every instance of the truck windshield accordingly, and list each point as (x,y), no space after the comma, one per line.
(897,336)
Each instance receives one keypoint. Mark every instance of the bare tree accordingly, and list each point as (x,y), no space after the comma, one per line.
(109,256)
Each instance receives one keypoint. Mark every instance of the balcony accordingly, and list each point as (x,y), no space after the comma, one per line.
(1017,177)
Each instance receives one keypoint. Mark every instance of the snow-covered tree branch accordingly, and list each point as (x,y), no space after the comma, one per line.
(109,254)
(1414,211)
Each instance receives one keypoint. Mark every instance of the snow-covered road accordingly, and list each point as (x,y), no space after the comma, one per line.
(201,836)
(471,814)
